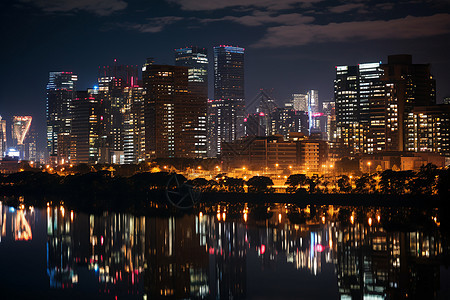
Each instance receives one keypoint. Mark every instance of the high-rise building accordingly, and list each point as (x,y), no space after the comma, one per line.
(300,102)
(255,124)
(20,128)
(428,129)
(371,95)
(2,137)
(134,130)
(355,87)
(317,122)
(228,95)
(86,128)
(329,109)
(373,101)
(346,104)
(196,59)
(407,85)
(170,130)
(64,148)
(24,137)
(61,89)
(112,82)
(313,101)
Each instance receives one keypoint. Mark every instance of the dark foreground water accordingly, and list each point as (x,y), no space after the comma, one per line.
(225,252)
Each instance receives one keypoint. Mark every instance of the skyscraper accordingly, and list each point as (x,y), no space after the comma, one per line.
(169,118)
(346,104)
(2,137)
(113,81)
(354,88)
(300,102)
(407,85)
(133,127)
(313,110)
(84,138)
(229,94)
(196,59)
(19,131)
(61,89)
(373,101)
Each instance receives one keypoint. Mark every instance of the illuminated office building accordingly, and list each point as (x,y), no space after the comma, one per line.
(30,149)
(300,102)
(313,101)
(407,85)
(61,89)
(355,88)
(112,82)
(258,153)
(255,125)
(427,129)
(373,101)
(371,96)
(212,112)
(347,106)
(329,109)
(86,128)
(20,129)
(196,59)
(133,127)
(229,97)
(2,137)
(170,129)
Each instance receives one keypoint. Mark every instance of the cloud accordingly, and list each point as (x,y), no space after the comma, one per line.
(385,6)
(259,18)
(154,25)
(99,7)
(346,8)
(405,28)
(199,5)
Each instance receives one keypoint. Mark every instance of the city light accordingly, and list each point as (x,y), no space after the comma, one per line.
(262,249)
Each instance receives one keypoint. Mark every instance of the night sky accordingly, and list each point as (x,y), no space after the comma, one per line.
(291,46)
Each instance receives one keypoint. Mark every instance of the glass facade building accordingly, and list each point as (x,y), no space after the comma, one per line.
(61,90)
(196,60)
(229,94)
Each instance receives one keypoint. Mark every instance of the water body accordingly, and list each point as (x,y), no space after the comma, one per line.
(239,251)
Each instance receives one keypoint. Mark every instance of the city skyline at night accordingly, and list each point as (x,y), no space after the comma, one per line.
(291,46)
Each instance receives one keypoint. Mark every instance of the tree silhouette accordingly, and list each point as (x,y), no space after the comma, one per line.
(259,184)
(295,181)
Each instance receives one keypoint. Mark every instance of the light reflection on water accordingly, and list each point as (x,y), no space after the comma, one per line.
(238,251)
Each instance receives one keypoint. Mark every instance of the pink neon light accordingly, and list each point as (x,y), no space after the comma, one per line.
(263,249)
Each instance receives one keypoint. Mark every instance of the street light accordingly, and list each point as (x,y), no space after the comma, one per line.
(276,168)
(369,163)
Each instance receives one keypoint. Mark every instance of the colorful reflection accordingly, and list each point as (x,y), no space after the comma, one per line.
(17,224)
(376,253)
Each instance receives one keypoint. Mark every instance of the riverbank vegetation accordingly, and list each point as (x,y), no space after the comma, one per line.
(102,188)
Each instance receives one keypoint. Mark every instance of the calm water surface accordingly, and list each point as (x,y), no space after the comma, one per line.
(222,252)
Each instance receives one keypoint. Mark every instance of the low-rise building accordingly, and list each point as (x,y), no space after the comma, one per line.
(273,152)
(399,161)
